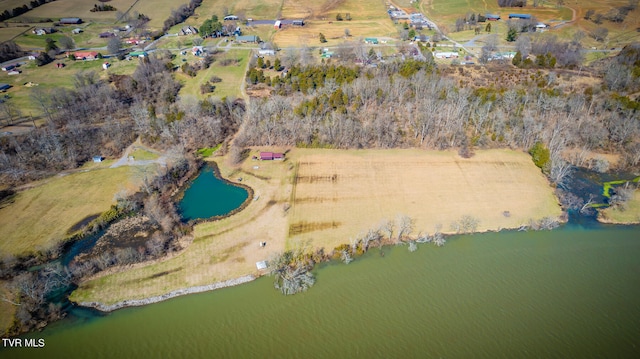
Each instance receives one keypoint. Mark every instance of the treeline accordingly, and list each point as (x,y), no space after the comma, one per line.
(181,14)
(103,117)
(512,3)
(9,50)
(617,14)
(19,10)
(383,109)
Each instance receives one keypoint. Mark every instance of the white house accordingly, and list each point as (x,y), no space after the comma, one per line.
(446,55)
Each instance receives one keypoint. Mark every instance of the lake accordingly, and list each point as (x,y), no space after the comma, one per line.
(209,196)
(568,293)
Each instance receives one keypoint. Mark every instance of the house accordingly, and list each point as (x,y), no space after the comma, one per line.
(77,30)
(138,54)
(446,55)
(266,52)
(371,40)
(98,159)
(188,30)
(492,17)
(520,16)
(106,35)
(248,38)
(197,50)
(297,22)
(541,27)
(86,55)
(4,87)
(271,156)
(230,18)
(277,25)
(8,67)
(70,21)
(43,31)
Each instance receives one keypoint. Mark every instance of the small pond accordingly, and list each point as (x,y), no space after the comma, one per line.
(210,196)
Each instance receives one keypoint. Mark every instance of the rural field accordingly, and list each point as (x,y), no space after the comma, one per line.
(232,76)
(34,221)
(339,195)
(323,198)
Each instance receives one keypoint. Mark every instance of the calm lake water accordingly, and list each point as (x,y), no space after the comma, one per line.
(569,293)
(209,196)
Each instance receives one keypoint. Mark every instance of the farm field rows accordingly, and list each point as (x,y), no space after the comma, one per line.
(334,196)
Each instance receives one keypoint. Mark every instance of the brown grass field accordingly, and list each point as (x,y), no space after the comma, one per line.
(7,309)
(42,216)
(338,194)
(631,215)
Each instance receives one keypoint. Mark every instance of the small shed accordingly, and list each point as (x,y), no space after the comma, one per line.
(261,265)
(4,87)
(106,65)
(98,159)
(8,67)
(13,72)
(371,40)
(492,17)
(277,25)
(297,22)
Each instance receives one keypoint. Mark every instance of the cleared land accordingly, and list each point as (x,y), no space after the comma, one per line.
(232,76)
(369,19)
(338,194)
(41,216)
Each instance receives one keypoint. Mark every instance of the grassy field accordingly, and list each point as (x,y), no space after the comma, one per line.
(338,194)
(434,188)
(50,78)
(231,75)
(158,11)
(445,13)
(7,309)
(41,216)
(369,19)
(630,215)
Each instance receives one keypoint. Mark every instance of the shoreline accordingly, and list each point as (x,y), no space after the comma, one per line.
(173,294)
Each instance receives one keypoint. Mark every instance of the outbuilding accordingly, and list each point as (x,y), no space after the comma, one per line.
(98,159)
(70,20)
(4,87)
(277,24)
(270,156)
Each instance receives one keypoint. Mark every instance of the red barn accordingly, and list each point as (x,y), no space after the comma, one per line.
(269,156)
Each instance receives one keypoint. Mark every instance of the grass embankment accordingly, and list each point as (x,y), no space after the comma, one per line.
(221,250)
(338,194)
(42,216)
(629,214)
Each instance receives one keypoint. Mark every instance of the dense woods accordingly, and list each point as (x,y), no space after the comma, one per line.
(381,108)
